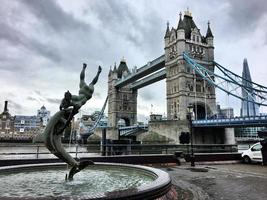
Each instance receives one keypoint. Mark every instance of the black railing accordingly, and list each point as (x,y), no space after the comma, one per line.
(40,151)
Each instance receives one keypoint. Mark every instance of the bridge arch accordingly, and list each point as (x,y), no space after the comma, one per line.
(123,121)
(201,110)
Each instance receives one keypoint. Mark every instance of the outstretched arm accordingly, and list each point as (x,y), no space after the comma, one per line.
(97,75)
(82,75)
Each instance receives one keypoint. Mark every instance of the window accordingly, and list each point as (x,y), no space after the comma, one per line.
(198,88)
(197,38)
(194,38)
(7,124)
(256,148)
(188,70)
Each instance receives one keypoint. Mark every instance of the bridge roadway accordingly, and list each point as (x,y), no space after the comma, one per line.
(231,122)
(147,69)
(131,130)
(258,121)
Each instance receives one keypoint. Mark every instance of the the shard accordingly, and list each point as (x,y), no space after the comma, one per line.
(248,108)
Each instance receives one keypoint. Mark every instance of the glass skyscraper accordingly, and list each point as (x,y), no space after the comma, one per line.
(248,108)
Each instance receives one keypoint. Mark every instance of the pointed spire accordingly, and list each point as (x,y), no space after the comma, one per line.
(167,34)
(110,71)
(246,72)
(188,13)
(209,33)
(180,23)
(123,59)
(115,67)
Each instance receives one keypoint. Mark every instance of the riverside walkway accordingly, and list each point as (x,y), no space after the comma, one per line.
(224,181)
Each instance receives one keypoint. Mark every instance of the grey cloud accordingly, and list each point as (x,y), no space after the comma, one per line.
(53,15)
(32,99)
(53,100)
(245,15)
(16,37)
(16,106)
(142,31)
(38,92)
(147,96)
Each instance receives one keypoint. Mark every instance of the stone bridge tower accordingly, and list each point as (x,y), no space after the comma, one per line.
(122,103)
(185,87)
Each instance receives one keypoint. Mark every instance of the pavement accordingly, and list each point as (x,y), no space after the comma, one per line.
(220,181)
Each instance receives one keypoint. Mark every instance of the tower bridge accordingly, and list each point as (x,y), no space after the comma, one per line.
(189,69)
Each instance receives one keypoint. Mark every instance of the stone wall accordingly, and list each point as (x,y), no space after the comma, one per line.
(170,128)
(112,133)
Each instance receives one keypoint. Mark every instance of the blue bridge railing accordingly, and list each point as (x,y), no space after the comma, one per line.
(232,122)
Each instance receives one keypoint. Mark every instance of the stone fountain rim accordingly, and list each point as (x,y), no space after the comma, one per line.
(157,188)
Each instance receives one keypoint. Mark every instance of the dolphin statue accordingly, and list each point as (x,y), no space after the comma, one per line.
(56,126)
(52,139)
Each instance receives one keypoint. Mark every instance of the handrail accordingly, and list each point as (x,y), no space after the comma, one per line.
(129,149)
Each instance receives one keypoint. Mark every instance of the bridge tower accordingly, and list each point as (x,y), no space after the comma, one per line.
(122,102)
(185,87)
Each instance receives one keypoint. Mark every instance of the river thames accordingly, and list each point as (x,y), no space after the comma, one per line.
(32,151)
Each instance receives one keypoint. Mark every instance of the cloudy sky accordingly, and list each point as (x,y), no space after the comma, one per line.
(44,43)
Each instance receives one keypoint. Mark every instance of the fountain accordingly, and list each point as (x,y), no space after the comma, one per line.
(94,180)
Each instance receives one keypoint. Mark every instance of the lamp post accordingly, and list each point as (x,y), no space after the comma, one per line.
(190,111)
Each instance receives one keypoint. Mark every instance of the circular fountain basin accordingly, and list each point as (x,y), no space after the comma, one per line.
(99,181)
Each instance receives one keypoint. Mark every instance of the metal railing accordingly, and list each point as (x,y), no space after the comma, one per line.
(29,151)
(127,149)
(40,151)
(237,121)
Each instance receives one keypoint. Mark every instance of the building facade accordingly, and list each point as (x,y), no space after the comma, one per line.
(224,112)
(6,121)
(122,102)
(29,125)
(184,86)
(44,115)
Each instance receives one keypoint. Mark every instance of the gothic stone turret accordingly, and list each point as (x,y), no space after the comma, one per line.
(122,102)
(183,87)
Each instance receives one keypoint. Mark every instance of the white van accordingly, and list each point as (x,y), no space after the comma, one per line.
(253,154)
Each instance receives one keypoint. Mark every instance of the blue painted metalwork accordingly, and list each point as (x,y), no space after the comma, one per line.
(90,131)
(255,85)
(132,130)
(232,122)
(257,97)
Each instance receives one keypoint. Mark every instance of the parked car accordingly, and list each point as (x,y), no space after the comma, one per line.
(253,154)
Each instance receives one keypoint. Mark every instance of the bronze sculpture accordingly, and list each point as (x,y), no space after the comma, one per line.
(69,106)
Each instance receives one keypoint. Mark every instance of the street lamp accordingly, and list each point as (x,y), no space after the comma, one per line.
(190,112)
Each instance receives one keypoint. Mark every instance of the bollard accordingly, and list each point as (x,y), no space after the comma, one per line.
(37,153)
(76,155)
